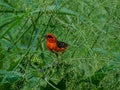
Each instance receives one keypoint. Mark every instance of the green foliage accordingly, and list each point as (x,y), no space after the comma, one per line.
(90,27)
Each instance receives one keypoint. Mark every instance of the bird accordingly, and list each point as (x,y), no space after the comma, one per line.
(54,45)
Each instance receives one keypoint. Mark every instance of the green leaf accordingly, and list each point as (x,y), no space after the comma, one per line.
(9,76)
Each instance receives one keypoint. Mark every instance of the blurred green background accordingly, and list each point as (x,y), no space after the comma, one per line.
(90,27)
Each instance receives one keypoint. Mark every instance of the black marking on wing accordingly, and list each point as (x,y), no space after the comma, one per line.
(61,44)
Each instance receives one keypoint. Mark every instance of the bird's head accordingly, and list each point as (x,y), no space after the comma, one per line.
(51,38)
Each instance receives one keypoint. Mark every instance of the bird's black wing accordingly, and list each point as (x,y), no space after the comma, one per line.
(61,44)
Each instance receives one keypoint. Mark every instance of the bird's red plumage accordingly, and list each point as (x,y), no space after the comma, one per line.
(54,45)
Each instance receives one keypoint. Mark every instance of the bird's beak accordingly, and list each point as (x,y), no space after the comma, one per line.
(45,36)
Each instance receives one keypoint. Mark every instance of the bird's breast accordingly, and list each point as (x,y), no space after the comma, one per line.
(51,46)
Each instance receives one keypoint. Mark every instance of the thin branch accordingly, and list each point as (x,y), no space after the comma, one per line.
(12,11)
(51,84)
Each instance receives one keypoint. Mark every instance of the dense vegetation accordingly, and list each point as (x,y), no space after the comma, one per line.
(90,27)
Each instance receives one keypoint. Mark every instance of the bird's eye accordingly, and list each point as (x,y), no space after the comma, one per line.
(49,36)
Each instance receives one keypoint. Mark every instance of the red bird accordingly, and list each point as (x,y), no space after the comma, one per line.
(54,45)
